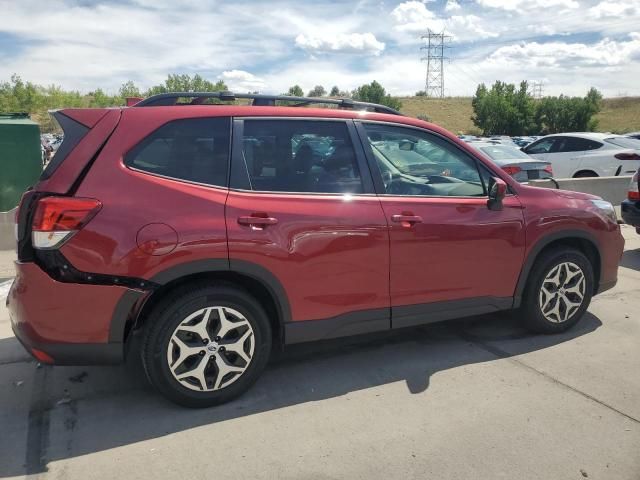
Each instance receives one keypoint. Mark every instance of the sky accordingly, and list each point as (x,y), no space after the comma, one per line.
(569,45)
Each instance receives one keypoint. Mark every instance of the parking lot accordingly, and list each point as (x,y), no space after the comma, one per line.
(478,398)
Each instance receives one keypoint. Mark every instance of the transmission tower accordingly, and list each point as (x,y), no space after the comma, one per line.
(435,44)
(538,89)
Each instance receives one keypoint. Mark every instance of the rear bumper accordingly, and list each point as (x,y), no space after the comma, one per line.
(631,212)
(70,323)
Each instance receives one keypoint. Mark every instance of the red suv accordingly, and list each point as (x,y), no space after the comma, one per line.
(214,233)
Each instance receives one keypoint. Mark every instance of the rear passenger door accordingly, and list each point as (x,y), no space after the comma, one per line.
(302,206)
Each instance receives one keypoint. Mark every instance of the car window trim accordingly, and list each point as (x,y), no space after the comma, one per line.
(377,177)
(239,178)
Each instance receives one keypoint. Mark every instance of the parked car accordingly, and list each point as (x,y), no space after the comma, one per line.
(631,206)
(587,154)
(516,163)
(635,135)
(203,236)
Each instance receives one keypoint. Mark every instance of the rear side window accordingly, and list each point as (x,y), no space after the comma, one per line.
(73,133)
(300,156)
(575,144)
(192,149)
(624,142)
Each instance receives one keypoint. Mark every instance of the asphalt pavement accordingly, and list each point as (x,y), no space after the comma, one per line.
(472,399)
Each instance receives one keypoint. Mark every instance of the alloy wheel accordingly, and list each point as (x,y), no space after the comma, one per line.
(211,348)
(562,292)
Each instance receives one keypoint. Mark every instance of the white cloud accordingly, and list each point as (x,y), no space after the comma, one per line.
(241,81)
(342,43)
(414,16)
(519,5)
(565,56)
(615,9)
(452,6)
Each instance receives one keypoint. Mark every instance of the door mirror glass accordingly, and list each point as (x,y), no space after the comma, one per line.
(497,192)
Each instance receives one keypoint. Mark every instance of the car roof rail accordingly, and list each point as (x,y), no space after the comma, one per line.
(198,98)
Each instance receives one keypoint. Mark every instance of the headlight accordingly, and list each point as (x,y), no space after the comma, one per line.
(606,209)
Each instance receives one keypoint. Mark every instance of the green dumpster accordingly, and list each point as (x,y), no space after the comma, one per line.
(20,157)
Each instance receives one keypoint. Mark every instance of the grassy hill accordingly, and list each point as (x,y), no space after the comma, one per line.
(618,115)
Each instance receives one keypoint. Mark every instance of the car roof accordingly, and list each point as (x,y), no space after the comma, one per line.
(188,111)
(587,135)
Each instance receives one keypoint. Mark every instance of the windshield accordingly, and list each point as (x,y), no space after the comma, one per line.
(623,142)
(503,152)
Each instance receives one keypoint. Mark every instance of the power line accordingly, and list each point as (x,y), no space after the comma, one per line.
(434,50)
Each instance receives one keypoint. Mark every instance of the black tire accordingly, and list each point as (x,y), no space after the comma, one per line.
(585,174)
(531,312)
(171,311)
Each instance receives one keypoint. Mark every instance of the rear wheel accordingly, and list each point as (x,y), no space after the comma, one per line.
(206,345)
(558,292)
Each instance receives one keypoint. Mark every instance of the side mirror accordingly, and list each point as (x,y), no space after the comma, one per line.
(497,192)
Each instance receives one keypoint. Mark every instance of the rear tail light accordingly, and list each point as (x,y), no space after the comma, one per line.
(634,193)
(512,170)
(627,156)
(548,169)
(58,218)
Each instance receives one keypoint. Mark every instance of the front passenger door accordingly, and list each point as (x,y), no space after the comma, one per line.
(449,254)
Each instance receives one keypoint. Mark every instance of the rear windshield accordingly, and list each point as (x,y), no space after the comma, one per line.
(503,152)
(73,133)
(624,142)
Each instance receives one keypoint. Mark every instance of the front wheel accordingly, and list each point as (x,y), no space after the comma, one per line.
(206,344)
(558,291)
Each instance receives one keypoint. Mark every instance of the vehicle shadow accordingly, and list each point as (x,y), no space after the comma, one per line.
(76,411)
(631,259)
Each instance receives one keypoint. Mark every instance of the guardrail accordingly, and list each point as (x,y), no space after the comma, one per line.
(611,189)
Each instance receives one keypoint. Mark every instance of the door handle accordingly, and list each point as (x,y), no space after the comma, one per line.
(407,219)
(257,220)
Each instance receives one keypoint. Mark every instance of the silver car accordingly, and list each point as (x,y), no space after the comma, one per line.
(515,162)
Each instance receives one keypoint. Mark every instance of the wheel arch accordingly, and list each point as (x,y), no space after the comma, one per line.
(580,173)
(578,239)
(132,309)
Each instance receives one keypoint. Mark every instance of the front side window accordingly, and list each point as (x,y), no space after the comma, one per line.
(300,156)
(192,149)
(542,146)
(416,163)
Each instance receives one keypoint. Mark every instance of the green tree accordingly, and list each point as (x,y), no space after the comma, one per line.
(186,83)
(375,93)
(568,114)
(317,91)
(129,89)
(295,91)
(335,91)
(504,109)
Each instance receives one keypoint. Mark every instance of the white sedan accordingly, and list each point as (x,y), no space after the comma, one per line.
(587,154)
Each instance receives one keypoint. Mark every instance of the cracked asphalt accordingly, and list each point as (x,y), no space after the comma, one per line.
(478,398)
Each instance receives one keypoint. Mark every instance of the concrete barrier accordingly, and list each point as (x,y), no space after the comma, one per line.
(611,189)
(7,234)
